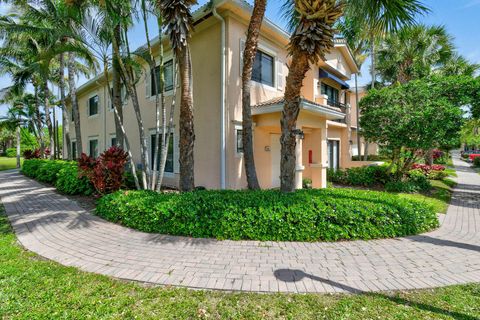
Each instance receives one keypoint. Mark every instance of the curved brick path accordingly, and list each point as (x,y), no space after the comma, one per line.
(56,228)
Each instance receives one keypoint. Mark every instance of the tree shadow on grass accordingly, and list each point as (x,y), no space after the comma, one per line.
(291,275)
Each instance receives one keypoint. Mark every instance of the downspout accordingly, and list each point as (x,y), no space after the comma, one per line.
(222,103)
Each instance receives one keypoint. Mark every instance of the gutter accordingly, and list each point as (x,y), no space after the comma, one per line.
(222,103)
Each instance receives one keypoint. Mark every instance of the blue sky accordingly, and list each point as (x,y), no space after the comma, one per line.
(460,17)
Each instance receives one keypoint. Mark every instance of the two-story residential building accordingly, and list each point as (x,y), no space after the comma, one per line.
(216,48)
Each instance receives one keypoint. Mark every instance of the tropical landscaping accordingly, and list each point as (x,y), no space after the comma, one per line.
(423,102)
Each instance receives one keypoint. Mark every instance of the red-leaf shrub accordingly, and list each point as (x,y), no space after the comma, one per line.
(428,169)
(437,154)
(107,171)
(29,154)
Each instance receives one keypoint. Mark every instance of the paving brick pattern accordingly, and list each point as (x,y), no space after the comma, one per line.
(58,229)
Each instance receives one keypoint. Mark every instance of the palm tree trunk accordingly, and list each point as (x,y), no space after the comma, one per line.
(298,68)
(187,133)
(373,67)
(357,102)
(166,135)
(39,121)
(48,120)
(249,54)
(117,87)
(74,101)
(132,90)
(122,128)
(65,115)
(18,145)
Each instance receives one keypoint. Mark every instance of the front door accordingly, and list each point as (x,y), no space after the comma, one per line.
(275,159)
(334,154)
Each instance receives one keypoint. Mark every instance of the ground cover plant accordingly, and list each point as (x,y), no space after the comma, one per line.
(305,215)
(34,288)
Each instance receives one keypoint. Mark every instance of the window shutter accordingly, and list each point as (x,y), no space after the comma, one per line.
(280,77)
(88,107)
(147,83)
(176,153)
(242,48)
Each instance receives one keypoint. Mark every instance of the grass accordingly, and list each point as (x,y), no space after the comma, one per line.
(8,163)
(33,288)
(439,197)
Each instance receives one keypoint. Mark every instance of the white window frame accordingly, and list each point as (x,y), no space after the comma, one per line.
(110,137)
(92,138)
(236,128)
(176,165)
(271,52)
(168,93)
(98,106)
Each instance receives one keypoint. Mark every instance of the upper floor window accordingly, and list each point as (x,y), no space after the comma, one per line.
(168,74)
(93,105)
(331,92)
(263,68)
(239,138)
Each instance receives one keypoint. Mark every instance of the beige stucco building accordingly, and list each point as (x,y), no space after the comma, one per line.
(216,46)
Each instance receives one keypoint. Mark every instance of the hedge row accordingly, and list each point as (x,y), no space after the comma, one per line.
(62,174)
(306,215)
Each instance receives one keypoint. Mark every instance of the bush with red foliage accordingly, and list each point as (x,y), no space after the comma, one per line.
(428,169)
(107,171)
(31,154)
(437,154)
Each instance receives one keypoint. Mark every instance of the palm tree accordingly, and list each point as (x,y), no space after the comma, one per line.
(179,23)
(458,65)
(249,54)
(414,52)
(312,22)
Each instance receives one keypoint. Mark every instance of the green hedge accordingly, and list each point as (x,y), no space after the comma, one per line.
(306,215)
(62,174)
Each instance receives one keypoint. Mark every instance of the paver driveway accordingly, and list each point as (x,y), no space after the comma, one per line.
(57,228)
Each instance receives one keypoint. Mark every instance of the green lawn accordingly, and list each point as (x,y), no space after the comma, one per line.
(8,163)
(439,197)
(33,288)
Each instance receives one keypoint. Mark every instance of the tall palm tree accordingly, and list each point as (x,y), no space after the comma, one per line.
(414,52)
(312,22)
(179,23)
(249,54)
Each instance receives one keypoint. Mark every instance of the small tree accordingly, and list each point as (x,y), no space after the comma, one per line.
(407,119)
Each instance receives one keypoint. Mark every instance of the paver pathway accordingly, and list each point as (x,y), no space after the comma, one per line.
(58,229)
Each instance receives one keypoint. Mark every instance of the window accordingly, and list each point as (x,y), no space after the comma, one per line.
(333,149)
(93,106)
(113,141)
(169,163)
(74,150)
(263,68)
(168,74)
(93,148)
(331,92)
(239,133)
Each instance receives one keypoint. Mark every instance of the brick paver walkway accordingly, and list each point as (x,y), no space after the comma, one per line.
(57,228)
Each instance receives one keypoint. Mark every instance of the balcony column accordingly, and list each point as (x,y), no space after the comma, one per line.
(299,163)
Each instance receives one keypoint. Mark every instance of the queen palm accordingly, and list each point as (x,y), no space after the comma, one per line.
(312,22)
(179,24)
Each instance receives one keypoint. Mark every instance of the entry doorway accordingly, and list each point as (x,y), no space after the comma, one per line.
(275,148)
(334,154)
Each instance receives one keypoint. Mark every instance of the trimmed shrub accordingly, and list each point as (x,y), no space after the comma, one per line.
(305,215)
(30,167)
(31,154)
(69,182)
(48,170)
(476,162)
(371,157)
(62,174)
(362,176)
(12,152)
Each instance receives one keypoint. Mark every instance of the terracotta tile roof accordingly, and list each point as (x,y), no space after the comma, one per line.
(281,100)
